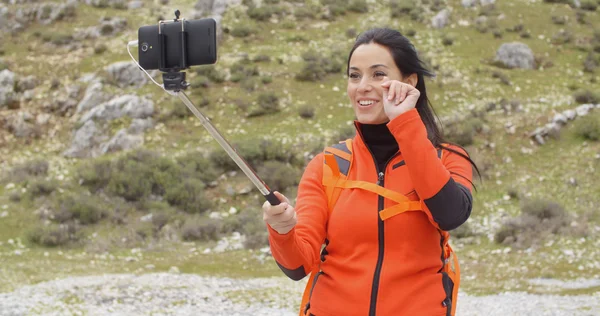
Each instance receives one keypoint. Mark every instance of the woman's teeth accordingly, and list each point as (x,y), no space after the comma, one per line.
(365,103)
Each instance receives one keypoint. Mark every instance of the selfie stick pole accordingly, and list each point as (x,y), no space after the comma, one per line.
(174,80)
(250,173)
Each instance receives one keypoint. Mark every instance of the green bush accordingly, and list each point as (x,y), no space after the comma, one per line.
(336,7)
(53,235)
(448,39)
(200,229)
(538,220)
(463,132)
(195,165)
(279,175)
(261,14)
(41,187)
(188,196)
(358,6)
(210,72)
(268,101)
(591,62)
(306,112)
(261,58)
(586,96)
(242,31)
(131,181)
(27,170)
(562,37)
(250,84)
(200,82)
(588,127)
(589,5)
(317,66)
(400,8)
(84,209)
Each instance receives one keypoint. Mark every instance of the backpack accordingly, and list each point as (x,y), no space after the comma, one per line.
(337,164)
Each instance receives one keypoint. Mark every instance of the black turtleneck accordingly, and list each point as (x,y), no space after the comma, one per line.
(380,142)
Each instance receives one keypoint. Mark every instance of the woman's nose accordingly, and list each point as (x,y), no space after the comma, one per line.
(365,85)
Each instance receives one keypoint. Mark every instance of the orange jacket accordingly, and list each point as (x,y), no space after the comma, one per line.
(372,267)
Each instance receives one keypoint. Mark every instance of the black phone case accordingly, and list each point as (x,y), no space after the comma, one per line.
(201,44)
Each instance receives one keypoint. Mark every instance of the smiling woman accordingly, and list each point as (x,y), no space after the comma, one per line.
(383,202)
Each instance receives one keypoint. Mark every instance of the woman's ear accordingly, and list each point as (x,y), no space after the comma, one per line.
(412,80)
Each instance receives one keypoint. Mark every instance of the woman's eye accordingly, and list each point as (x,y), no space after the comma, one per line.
(379,74)
(354,76)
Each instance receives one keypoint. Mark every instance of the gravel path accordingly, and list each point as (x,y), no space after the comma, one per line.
(185,294)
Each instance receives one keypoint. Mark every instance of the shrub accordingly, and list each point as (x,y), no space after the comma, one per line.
(250,84)
(279,175)
(53,235)
(261,58)
(538,220)
(306,112)
(562,37)
(304,12)
(261,14)
(588,127)
(462,231)
(463,132)
(586,96)
(400,8)
(591,62)
(200,229)
(502,76)
(266,79)
(195,165)
(448,40)
(250,224)
(41,187)
(268,101)
(559,19)
(82,208)
(242,31)
(27,170)
(188,196)
(317,66)
(589,5)
(358,6)
(132,181)
(210,72)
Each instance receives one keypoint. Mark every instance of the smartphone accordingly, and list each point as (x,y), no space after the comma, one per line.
(201,47)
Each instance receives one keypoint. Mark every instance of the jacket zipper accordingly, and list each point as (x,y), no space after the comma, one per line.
(381,235)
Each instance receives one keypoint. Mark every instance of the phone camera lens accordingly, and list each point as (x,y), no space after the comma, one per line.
(144,47)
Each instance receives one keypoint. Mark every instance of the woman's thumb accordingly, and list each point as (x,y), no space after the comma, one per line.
(281,197)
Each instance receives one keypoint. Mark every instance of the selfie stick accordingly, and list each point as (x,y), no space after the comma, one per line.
(174,80)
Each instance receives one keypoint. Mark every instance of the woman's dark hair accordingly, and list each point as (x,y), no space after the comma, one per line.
(407,60)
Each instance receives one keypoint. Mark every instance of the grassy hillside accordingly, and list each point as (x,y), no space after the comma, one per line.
(260,69)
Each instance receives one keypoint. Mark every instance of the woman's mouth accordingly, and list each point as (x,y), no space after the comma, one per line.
(367,103)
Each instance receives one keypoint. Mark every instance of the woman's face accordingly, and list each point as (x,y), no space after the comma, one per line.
(369,64)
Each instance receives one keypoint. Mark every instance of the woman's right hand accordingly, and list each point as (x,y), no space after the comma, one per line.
(282,217)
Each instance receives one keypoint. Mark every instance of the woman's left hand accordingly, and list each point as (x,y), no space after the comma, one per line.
(398,97)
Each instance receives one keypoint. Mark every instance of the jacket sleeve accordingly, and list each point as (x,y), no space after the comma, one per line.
(297,252)
(443,185)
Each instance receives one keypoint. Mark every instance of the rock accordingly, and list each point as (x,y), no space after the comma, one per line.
(73,91)
(130,105)
(570,114)
(515,55)
(27,83)
(42,118)
(139,126)
(468,3)
(20,126)
(7,79)
(122,141)
(126,73)
(174,270)
(94,95)
(135,5)
(146,218)
(560,118)
(441,19)
(85,141)
(584,109)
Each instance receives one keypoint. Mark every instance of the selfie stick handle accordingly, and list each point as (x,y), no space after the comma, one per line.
(250,173)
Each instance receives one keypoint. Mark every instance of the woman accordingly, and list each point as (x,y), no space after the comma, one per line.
(372,266)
